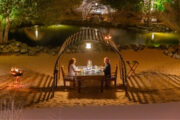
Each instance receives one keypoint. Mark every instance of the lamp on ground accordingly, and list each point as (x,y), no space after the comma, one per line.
(36,31)
(152,36)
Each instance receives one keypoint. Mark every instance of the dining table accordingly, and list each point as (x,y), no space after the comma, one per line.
(90,73)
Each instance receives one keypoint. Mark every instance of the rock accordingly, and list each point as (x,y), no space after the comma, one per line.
(23,45)
(41,48)
(5,50)
(23,51)
(73,51)
(53,53)
(68,50)
(170,54)
(45,50)
(171,49)
(2,46)
(16,50)
(32,53)
(177,56)
(166,52)
(18,44)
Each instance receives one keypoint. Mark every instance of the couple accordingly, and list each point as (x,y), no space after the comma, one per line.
(72,69)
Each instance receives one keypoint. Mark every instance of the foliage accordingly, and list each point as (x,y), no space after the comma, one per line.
(18,11)
(15,12)
(53,11)
(135,5)
(159,4)
(171,15)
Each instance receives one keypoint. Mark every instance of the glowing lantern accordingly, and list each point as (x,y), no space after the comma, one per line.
(88,45)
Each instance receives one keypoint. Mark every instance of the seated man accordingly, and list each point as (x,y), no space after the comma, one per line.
(107,69)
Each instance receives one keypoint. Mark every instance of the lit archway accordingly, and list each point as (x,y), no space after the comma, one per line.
(90,35)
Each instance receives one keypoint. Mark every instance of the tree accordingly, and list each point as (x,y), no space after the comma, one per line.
(134,5)
(170,16)
(14,12)
(54,11)
(151,6)
(159,4)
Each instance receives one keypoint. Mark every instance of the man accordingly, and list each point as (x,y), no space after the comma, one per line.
(107,71)
(107,68)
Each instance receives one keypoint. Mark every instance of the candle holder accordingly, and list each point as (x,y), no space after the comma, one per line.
(17,73)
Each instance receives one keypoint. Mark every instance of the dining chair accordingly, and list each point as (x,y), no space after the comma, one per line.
(67,78)
(113,77)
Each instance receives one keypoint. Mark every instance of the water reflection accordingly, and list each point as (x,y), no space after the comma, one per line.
(161,39)
(55,35)
(34,33)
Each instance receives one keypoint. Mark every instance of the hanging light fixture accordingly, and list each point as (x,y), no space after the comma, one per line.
(88,45)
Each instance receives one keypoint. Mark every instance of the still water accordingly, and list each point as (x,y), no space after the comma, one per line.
(55,35)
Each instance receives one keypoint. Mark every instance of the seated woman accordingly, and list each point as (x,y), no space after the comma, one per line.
(72,69)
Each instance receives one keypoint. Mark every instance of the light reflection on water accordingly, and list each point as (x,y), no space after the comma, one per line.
(55,35)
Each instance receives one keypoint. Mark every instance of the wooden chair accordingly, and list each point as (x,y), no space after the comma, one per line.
(112,78)
(67,78)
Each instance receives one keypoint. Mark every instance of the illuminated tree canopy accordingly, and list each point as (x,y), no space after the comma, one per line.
(159,4)
(171,15)
(135,5)
(14,12)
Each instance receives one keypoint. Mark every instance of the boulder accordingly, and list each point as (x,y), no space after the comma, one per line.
(24,51)
(53,53)
(166,52)
(68,50)
(23,45)
(6,50)
(16,50)
(170,54)
(18,44)
(177,56)
(45,50)
(2,46)
(32,53)
(170,50)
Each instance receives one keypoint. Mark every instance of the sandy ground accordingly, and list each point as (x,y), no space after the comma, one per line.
(166,111)
(157,80)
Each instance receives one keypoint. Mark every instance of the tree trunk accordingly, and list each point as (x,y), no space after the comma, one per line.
(149,14)
(1,35)
(109,13)
(6,32)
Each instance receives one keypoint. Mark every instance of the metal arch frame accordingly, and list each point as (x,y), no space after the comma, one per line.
(87,34)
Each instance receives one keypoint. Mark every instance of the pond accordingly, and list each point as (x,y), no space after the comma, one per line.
(55,35)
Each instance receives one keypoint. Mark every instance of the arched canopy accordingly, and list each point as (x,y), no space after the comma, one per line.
(90,35)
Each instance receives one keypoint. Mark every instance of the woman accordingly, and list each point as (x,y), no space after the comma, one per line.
(72,69)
